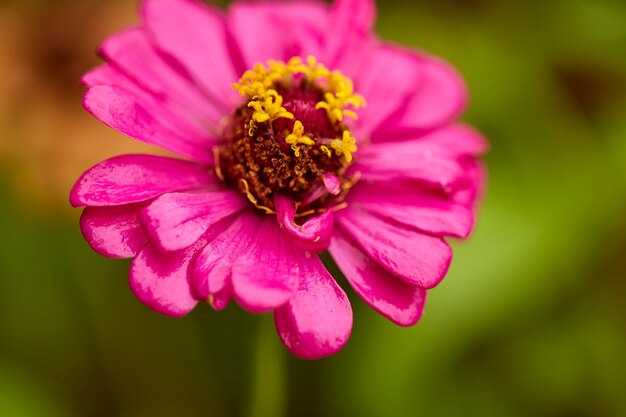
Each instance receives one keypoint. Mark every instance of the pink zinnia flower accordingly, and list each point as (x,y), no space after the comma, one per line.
(301,132)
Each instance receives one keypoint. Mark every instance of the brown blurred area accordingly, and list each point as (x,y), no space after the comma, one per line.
(46,138)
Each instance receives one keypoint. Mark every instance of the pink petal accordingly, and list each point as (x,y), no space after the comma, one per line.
(107,75)
(115,231)
(426,211)
(212,269)
(417,258)
(471,194)
(195,35)
(132,178)
(352,15)
(289,29)
(435,158)
(386,62)
(327,184)
(174,115)
(317,320)
(146,121)
(332,184)
(267,276)
(349,41)
(452,141)
(132,52)
(161,280)
(171,114)
(457,139)
(441,98)
(393,298)
(176,220)
(314,235)
(410,164)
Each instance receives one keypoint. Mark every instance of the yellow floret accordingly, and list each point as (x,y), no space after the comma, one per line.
(269,109)
(254,83)
(340,96)
(261,83)
(345,146)
(297,137)
(314,70)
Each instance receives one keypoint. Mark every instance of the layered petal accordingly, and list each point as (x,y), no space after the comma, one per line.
(400,302)
(430,212)
(115,231)
(313,235)
(176,220)
(437,158)
(471,194)
(132,178)
(386,62)
(278,31)
(457,139)
(267,276)
(161,280)
(440,99)
(327,184)
(212,268)
(107,75)
(410,164)
(349,38)
(132,53)
(350,16)
(317,320)
(172,115)
(452,141)
(419,259)
(148,121)
(195,35)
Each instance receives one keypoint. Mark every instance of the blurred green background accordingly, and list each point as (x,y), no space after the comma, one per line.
(531,320)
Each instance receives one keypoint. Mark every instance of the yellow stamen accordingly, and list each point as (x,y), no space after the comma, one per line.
(254,201)
(345,146)
(269,109)
(255,82)
(341,94)
(339,206)
(262,83)
(298,135)
(251,128)
(279,71)
(216,158)
(314,70)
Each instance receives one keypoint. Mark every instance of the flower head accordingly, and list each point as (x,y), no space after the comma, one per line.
(295,139)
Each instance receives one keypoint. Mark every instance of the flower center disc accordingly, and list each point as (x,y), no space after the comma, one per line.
(290,137)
